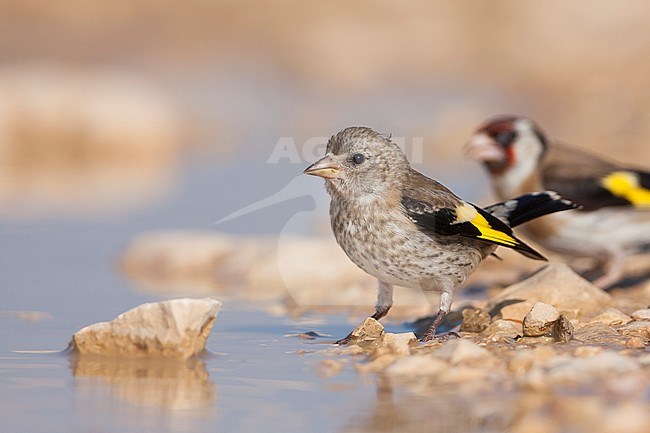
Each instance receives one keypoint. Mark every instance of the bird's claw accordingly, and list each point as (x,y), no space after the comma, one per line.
(345,340)
(440,338)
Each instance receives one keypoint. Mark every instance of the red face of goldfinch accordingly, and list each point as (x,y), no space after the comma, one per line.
(505,142)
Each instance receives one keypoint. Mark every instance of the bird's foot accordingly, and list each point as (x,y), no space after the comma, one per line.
(345,340)
(440,338)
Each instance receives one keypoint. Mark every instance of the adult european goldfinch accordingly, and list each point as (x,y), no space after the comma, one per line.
(408,230)
(614,221)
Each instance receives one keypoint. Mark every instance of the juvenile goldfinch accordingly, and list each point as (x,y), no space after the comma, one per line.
(408,230)
(614,220)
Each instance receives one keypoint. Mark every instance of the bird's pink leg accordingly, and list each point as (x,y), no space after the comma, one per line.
(445,307)
(614,271)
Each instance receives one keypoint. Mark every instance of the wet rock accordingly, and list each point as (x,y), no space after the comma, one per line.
(611,316)
(540,320)
(474,320)
(559,286)
(641,314)
(176,328)
(369,330)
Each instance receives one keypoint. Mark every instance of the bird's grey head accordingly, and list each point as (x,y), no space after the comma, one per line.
(360,161)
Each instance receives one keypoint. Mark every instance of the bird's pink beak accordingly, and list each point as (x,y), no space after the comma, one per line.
(483,148)
(325,167)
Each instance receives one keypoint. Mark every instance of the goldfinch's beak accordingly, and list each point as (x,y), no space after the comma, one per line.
(325,167)
(485,149)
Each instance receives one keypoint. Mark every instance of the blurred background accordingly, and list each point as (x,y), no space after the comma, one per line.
(103,105)
(122,117)
(126,116)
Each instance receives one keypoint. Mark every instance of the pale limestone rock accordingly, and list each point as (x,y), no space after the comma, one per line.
(462,351)
(526,359)
(418,365)
(644,360)
(399,344)
(468,374)
(611,316)
(567,369)
(598,334)
(377,365)
(521,362)
(502,330)
(369,330)
(517,311)
(641,314)
(559,286)
(474,320)
(628,417)
(534,341)
(175,328)
(639,328)
(540,320)
(635,343)
(585,351)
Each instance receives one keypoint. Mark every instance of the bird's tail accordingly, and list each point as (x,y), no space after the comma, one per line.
(529,206)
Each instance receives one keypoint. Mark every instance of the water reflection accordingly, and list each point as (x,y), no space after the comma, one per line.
(405,409)
(168,385)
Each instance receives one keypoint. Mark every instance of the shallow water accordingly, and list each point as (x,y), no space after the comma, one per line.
(63,265)
(63,270)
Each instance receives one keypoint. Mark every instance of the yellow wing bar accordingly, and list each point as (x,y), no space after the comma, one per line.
(626,184)
(467,213)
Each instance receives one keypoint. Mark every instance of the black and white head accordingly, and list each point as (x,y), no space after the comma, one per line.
(508,144)
(360,162)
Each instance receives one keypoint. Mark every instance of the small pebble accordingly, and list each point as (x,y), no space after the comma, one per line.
(635,343)
(540,320)
(474,320)
(641,314)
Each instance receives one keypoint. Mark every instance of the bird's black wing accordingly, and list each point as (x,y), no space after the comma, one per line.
(527,207)
(593,182)
(466,220)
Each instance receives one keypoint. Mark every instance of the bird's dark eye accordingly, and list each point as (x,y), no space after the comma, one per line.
(506,138)
(358,158)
